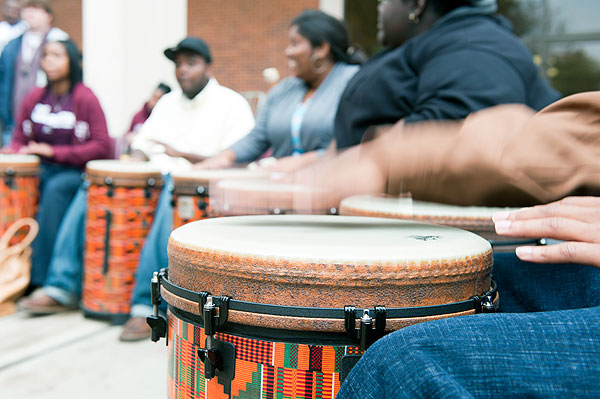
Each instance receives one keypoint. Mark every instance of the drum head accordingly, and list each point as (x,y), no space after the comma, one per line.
(18,164)
(123,173)
(264,196)
(327,261)
(187,182)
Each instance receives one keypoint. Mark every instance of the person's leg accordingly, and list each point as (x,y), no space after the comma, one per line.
(63,282)
(533,355)
(531,287)
(153,256)
(59,185)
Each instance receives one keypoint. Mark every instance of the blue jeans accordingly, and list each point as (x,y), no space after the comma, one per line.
(552,352)
(66,266)
(154,254)
(534,355)
(57,188)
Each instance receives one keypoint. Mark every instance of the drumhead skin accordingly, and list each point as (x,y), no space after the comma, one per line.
(477,219)
(123,173)
(206,176)
(233,197)
(19,164)
(326,261)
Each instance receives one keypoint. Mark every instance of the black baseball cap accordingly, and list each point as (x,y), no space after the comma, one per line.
(190,44)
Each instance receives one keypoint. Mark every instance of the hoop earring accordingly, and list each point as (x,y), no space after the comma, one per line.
(413,18)
(317,65)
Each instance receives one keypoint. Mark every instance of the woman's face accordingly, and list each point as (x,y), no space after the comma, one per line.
(55,62)
(392,22)
(298,53)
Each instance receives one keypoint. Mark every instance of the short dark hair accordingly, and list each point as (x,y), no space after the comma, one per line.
(43,4)
(319,28)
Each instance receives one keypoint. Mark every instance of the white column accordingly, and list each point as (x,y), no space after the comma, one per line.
(333,7)
(123,44)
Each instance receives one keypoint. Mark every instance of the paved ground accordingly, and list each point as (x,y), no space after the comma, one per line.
(68,356)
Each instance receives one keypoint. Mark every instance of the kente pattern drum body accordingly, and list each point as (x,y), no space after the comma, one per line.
(18,189)
(122,199)
(265,266)
(191,198)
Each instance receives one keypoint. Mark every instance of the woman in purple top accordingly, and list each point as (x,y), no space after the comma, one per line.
(64,124)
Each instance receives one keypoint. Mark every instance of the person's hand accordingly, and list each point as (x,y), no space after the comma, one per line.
(35,148)
(575,220)
(292,163)
(170,151)
(223,160)
(7,150)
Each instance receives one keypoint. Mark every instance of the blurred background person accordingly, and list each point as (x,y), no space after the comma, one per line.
(64,124)
(444,60)
(140,117)
(20,61)
(297,116)
(11,26)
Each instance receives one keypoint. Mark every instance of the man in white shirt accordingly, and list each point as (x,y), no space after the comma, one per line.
(196,122)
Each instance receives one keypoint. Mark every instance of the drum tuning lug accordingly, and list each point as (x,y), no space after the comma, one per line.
(213,319)
(487,304)
(158,324)
(212,361)
(366,327)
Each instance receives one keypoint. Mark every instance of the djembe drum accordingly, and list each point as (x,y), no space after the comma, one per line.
(235,197)
(283,306)
(191,191)
(122,199)
(18,189)
(477,219)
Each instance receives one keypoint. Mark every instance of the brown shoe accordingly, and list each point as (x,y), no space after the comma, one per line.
(41,304)
(136,329)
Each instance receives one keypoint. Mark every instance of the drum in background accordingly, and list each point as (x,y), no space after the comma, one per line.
(263,196)
(19,190)
(473,218)
(264,306)
(122,199)
(191,197)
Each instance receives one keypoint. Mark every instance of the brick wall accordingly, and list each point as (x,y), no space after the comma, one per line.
(67,16)
(245,36)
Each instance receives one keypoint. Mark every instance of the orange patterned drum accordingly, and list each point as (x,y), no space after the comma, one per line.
(122,199)
(18,188)
(283,306)
(191,198)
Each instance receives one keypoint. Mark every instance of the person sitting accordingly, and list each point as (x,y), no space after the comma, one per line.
(64,124)
(444,60)
(140,117)
(297,116)
(546,343)
(203,117)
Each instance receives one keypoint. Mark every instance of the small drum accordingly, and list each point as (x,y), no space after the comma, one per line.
(122,199)
(473,218)
(283,306)
(191,198)
(263,196)
(18,189)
